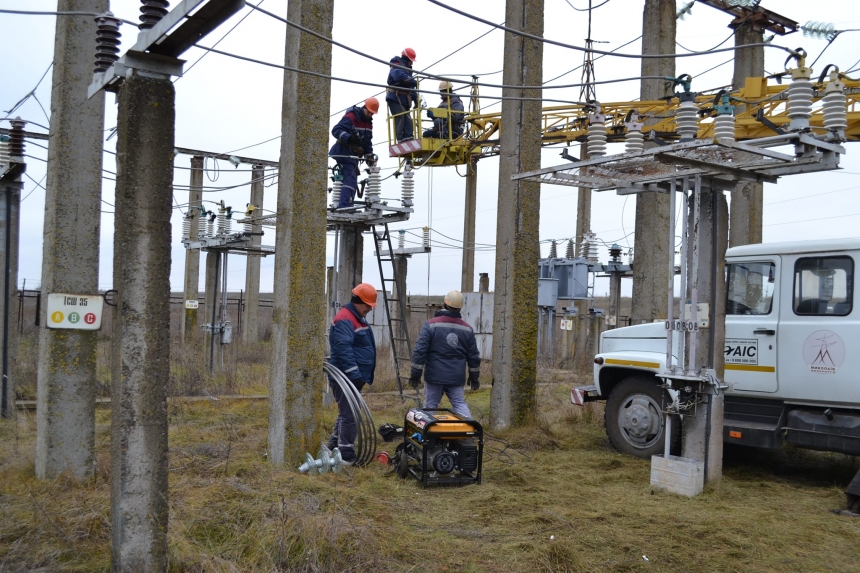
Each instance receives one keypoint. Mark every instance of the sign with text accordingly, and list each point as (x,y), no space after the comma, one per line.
(75,311)
(192,304)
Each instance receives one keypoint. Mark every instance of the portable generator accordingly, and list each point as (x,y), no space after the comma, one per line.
(440,447)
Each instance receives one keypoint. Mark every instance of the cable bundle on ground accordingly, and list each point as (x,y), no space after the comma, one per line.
(365,441)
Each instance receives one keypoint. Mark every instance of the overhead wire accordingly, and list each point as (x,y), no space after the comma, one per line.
(589,9)
(29,94)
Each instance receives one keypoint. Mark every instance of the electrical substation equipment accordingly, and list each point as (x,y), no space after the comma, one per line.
(588,250)
(800,93)
(107,41)
(248,225)
(596,133)
(327,460)
(834,104)
(425,237)
(440,447)
(687,114)
(634,142)
(724,122)
(374,181)
(407,186)
(336,184)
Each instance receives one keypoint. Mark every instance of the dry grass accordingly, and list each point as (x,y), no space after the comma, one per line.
(555,497)
(231,511)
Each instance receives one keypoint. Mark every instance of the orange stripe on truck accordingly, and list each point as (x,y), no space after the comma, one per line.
(750,368)
(632,363)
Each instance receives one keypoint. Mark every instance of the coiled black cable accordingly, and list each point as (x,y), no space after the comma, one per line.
(365,440)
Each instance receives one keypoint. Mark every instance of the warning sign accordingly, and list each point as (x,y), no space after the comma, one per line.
(193,304)
(75,311)
(741,351)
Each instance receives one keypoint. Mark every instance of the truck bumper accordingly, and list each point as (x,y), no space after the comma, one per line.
(579,395)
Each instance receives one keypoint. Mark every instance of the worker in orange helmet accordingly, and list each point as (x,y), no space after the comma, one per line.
(353,141)
(353,351)
(401,95)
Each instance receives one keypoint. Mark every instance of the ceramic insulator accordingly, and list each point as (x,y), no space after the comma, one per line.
(151,13)
(597,135)
(374,185)
(335,193)
(4,153)
(210,227)
(401,239)
(634,142)
(835,110)
(425,239)
(186,226)
(687,120)
(407,187)
(553,250)
(222,221)
(724,127)
(107,41)
(799,102)
(569,253)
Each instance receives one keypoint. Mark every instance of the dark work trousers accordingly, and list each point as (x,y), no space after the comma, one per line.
(343,436)
(403,123)
(349,171)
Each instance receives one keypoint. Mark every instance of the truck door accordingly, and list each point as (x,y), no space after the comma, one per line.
(819,329)
(752,316)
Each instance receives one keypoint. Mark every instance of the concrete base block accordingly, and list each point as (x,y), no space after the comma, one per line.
(681,476)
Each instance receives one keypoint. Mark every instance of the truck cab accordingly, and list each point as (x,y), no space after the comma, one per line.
(792,358)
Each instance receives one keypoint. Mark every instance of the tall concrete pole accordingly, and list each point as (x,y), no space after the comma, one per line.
(211,310)
(298,349)
(582,356)
(10,202)
(703,433)
(467,282)
(515,322)
(350,261)
(141,335)
(747,208)
(650,272)
(251,325)
(66,379)
(192,257)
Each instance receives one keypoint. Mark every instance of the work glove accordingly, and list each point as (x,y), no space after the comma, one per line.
(474,380)
(357,149)
(359,384)
(430,114)
(354,139)
(415,380)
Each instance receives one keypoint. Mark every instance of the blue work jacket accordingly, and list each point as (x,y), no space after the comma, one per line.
(353,121)
(353,348)
(399,79)
(445,346)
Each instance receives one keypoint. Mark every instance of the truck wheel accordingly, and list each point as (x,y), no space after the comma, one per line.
(634,417)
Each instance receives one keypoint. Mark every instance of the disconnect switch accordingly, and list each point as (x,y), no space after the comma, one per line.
(227,334)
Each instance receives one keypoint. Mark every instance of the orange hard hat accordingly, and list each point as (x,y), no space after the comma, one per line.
(372,105)
(367,293)
(408,53)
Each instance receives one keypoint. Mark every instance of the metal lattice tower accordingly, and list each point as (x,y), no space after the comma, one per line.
(588,92)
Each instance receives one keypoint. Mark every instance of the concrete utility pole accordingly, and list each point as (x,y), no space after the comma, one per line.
(350,261)
(652,209)
(484,282)
(251,324)
(582,356)
(66,379)
(299,298)
(10,192)
(748,197)
(515,328)
(192,256)
(467,282)
(211,310)
(703,433)
(141,335)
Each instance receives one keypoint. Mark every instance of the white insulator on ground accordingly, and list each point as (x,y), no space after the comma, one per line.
(335,193)
(374,185)
(634,142)
(724,127)
(834,108)
(596,135)
(401,239)
(425,239)
(407,187)
(800,99)
(687,120)
(222,221)
(186,226)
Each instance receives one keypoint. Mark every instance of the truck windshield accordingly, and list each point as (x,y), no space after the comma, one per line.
(749,288)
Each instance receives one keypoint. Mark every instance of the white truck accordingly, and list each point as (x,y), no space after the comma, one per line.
(792,355)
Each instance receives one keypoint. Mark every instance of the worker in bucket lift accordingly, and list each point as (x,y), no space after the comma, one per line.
(353,351)
(353,140)
(453,103)
(445,346)
(400,95)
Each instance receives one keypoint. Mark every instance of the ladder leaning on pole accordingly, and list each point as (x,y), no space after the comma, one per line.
(401,347)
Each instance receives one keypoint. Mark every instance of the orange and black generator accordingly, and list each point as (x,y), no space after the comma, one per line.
(440,447)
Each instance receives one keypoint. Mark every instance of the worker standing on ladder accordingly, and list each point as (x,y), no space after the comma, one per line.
(445,346)
(455,118)
(353,140)
(401,100)
(353,351)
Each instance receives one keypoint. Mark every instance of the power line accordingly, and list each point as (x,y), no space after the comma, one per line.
(31,93)
(617,55)
(589,9)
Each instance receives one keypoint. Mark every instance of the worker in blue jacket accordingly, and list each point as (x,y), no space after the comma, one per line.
(445,346)
(353,136)
(401,100)
(353,352)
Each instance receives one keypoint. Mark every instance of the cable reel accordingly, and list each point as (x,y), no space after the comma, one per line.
(365,441)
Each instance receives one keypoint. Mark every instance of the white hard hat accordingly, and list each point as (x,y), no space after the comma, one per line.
(454,299)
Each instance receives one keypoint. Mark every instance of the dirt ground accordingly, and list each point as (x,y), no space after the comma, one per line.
(554,498)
